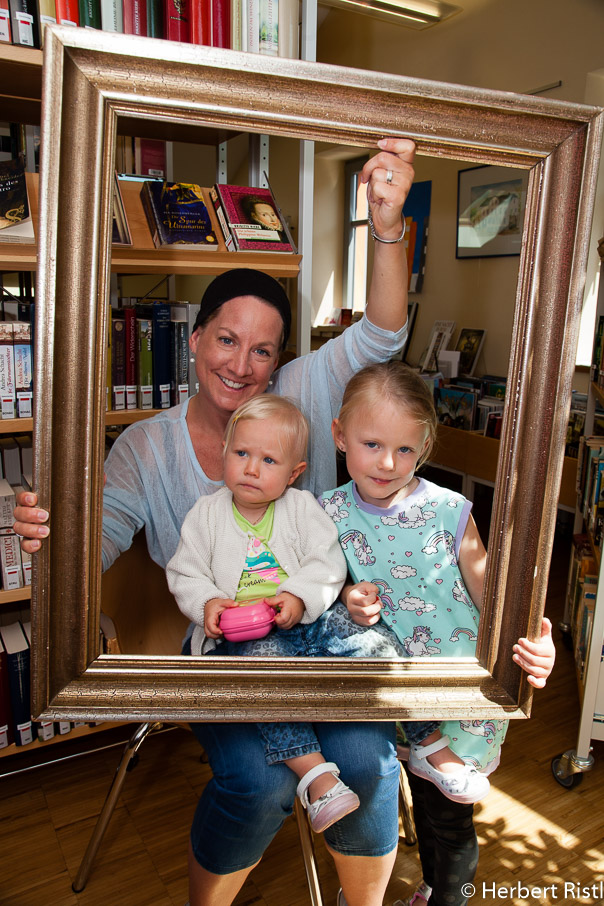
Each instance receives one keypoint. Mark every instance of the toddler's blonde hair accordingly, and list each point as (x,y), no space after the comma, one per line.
(293,427)
(399,384)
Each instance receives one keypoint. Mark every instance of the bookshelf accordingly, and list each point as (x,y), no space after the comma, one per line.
(142,257)
(569,766)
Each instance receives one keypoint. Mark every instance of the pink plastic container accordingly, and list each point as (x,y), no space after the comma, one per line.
(248,621)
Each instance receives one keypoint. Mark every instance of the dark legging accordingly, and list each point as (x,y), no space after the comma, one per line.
(447,842)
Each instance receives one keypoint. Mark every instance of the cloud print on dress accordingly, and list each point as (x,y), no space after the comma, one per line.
(403,572)
(409,602)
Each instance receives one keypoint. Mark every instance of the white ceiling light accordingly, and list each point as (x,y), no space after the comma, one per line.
(412,13)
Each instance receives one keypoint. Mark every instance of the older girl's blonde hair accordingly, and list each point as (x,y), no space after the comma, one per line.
(293,427)
(399,384)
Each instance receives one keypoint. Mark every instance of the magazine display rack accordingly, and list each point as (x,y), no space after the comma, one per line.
(569,766)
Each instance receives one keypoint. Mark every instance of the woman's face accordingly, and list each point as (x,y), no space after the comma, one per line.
(236,352)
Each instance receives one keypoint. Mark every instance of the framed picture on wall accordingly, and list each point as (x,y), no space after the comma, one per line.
(469,344)
(490,211)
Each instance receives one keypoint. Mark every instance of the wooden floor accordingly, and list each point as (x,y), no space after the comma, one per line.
(532,831)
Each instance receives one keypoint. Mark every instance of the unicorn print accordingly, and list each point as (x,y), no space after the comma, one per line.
(414,516)
(334,507)
(485,728)
(362,550)
(460,594)
(447,540)
(416,645)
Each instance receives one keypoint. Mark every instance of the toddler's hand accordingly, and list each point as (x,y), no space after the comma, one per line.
(211,618)
(537,658)
(363,603)
(289,609)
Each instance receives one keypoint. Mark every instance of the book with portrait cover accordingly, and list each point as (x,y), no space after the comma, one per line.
(16,224)
(177,215)
(254,219)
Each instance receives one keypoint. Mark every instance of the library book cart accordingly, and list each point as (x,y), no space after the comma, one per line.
(583,621)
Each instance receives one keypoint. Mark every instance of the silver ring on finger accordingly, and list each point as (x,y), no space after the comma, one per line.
(388,176)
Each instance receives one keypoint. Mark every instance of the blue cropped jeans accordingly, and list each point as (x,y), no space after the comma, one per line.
(334,634)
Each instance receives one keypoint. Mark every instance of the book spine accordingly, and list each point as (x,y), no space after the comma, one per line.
(47,15)
(118,362)
(67,12)
(19,685)
(6,729)
(237,19)
(200,22)
(253,26)
(7,504)
(269,27)
(23,368)
(179,362)
(131,347)
(7,370)
(90,13)
(145,363)
(24,23)
(112,16)
(289,29)
(226,232)
(221,23)
(148,208)
(5,29)
(155,18)
(176,20)
(161,355)
(135,17)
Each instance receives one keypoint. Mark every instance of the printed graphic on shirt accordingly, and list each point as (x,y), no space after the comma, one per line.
(409,551)
(261,575)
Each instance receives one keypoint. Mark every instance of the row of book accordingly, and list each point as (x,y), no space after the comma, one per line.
(16,369)
(258,26)
(581,597)
(470,403)
(149,358)
(16,724)
(590,486)
(235,218)
(16,465)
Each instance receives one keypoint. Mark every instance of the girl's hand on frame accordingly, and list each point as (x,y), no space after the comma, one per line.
(211,616)
(29,522)
(289,609)
(363,603)
(537,658)
(389,176)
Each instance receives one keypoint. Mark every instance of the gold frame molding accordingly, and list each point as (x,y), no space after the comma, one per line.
(90,79)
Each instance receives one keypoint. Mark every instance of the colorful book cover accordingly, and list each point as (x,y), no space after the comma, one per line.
(24,376)
(177,214)
(455,408)
(254,219)
(16,224)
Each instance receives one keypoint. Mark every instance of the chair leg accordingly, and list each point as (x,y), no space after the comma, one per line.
(132,747)
(405,810)
(308,854)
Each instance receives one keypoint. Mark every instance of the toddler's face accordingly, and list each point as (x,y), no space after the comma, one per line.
(383,445)
(257,469)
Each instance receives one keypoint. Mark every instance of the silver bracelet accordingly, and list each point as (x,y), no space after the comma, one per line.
(379,238)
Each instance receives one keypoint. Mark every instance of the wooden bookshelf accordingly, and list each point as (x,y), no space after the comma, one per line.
(74,733)
(142,257)
(20,84)
(476,455)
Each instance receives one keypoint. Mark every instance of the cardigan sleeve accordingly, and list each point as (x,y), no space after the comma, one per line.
(189,573)
(322,567)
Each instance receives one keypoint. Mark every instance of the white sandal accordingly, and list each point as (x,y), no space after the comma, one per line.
(332,805)
(419,897)
(467,785)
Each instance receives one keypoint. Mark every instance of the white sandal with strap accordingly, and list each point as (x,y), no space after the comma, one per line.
(467,785)
(332,805)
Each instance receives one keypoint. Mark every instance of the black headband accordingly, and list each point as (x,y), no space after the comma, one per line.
(245,282)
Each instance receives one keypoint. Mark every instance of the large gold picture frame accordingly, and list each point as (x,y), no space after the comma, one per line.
(91,79)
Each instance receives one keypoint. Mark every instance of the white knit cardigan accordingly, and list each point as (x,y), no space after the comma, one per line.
(211,555)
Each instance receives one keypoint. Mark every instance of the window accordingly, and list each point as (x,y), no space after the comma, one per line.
(356,238)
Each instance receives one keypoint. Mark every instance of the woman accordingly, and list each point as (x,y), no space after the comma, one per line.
(157,470)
